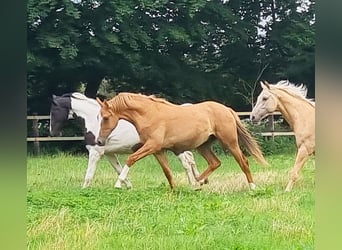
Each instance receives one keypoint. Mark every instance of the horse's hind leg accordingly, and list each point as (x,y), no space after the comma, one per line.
(302,156)
(161,158)
(114,161)
(243,163)
(210,157)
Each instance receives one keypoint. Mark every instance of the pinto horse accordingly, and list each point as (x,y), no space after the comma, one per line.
(298,111)
(163,125)
(124,139)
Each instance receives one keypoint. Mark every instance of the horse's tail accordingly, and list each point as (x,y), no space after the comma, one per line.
(247,140)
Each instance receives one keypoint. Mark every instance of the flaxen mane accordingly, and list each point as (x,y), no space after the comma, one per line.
(122,100)
(294,90)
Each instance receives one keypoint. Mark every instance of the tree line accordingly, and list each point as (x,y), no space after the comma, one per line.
(185,51)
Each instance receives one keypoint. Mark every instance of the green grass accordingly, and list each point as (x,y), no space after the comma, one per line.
(223,215)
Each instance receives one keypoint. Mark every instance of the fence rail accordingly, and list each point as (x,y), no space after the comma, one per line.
(58,138)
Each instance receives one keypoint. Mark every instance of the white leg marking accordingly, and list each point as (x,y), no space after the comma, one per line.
(122,176)
(124,173)
(252,186)
(117,183)
(113,159)
(187,164)
(94,157)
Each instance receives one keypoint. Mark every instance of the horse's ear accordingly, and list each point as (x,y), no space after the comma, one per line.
(265,85)
(99,101)
(54,100)
(105,103)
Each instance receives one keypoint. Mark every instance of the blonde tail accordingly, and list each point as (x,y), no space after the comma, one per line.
(247,140)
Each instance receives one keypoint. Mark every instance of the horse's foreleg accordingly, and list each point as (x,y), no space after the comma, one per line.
(114,161)
(161,158)
(188,162)
(302,156)
(94,157)
(146,149)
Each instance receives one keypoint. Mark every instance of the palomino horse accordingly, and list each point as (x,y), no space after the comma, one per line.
(297,110)
(163,125)
(124,139)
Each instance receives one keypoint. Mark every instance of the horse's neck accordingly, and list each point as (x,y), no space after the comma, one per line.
(293,110)
(136,115)
(89,113)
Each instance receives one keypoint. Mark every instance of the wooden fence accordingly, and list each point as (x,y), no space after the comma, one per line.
(35,119)
(36,138)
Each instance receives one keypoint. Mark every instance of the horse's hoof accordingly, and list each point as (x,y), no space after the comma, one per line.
(252,186)
(118,184)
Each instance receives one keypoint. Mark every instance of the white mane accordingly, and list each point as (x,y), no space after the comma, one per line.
(298,90)
(81,96)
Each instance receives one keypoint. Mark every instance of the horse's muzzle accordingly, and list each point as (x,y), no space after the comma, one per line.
(254,120)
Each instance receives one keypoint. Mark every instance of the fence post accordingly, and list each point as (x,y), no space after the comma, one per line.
(36,148)
(271,125)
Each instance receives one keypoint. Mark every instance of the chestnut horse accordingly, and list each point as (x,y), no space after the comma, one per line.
(124,139)
(163,125)
(298,111)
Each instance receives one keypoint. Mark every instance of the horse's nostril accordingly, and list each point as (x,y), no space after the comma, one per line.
(99,141)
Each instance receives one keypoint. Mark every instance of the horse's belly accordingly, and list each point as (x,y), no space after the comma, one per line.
(119,148)
(189,136)
(183,143)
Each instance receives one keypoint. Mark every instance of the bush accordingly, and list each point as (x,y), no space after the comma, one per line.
(277,144)
(269,145)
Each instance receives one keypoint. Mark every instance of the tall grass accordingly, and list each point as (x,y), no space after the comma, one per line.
(223,215)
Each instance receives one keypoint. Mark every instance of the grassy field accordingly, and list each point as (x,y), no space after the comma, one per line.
(223,215)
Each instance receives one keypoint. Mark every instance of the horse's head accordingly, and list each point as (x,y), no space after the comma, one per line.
(59,113)
(266,103)
(109,121)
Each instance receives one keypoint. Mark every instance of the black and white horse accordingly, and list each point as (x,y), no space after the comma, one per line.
(124,139)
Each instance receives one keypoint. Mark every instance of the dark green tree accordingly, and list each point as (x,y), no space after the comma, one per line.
(186,51)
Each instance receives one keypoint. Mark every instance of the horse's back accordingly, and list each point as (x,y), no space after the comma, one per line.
(218,112)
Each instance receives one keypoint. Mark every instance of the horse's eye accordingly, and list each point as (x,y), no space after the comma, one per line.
(265,98)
